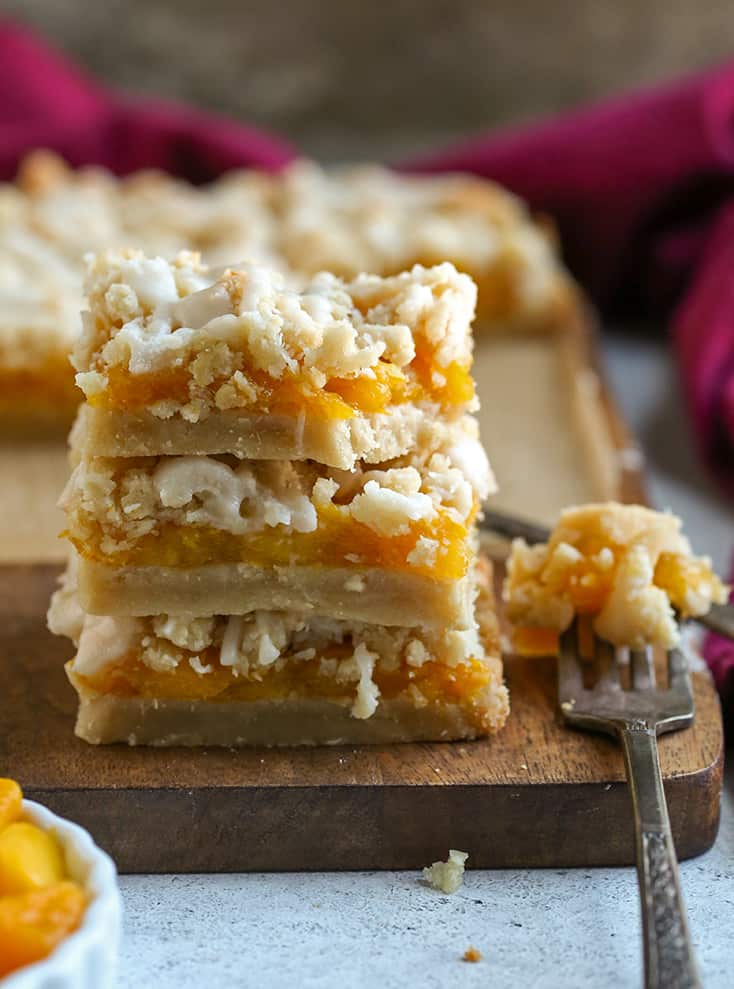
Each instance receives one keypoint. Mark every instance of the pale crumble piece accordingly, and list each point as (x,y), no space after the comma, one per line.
(159,655)
(416,653)
(192,634)
(388,510)
(368,692)
(200,668)
(628,566)
(472,954)
(425,552)
(235,393)
(447,876)
(355,583)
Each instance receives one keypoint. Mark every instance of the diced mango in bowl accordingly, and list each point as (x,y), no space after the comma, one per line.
(11,802)
(39,904)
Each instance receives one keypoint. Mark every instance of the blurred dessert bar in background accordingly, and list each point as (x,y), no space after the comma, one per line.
(303,221)
(367,218)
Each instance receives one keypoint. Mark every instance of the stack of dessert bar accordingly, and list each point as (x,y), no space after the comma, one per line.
(272,509)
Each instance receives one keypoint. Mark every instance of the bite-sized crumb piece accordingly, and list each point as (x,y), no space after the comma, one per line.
(472,954)
(630,568)
(447,876)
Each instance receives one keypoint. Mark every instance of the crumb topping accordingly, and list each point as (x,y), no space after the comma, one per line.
(252,642)
(201,338)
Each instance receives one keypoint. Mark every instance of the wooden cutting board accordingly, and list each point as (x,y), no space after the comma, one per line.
(536,795)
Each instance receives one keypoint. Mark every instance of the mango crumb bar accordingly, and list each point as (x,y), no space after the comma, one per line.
(629,568)
(269,678)
(336,372)
(231,534)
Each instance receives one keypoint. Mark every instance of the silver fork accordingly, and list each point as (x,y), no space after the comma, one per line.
(636,717)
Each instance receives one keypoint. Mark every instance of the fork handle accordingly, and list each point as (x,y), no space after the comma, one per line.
(720,619)
(669,961)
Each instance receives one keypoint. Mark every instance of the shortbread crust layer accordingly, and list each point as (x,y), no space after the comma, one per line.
(104,719)
(339,443)
(377,596)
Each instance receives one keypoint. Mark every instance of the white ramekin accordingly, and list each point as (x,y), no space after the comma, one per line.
(86,959)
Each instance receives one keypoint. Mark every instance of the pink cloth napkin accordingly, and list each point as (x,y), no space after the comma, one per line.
(642,190)
(47,102)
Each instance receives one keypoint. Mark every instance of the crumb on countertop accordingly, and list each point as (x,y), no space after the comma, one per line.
(472,954)
(447,876)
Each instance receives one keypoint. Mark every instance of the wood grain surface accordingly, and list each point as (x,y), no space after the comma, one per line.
(536,795)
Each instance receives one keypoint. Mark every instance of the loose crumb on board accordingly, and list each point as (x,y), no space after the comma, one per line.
(472,954)
(449,875)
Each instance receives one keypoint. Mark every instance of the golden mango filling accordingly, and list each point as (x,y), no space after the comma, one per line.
(341,398)
(338,541)
(48,388)
(437,682)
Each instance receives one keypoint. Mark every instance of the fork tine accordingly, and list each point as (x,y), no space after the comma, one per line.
(605,657)
(642,669)
(570,678)
(679,676)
